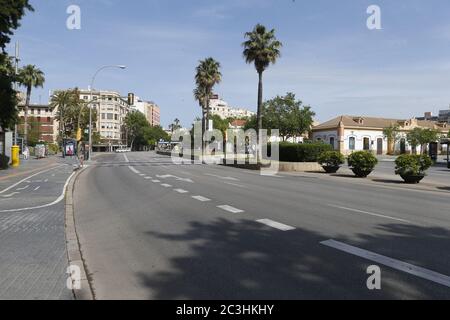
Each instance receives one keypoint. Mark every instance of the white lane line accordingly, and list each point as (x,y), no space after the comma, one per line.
(236,185)
(156,181)
(60,198)
(142,174)
(164,176)
(276,225)
(148,178)
(390,262)
(165,185)
(46,180)
(134,170)
(126,158)
(180,190)
(28,178)
(200,198)
(220,177)
(371,213)
(10,195)
(23,188)
(37,188)
(230,209)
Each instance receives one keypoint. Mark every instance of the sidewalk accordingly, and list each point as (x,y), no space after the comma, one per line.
(31,166)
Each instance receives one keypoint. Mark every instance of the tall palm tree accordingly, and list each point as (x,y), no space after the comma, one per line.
(201,94)
(62,101)
(262,48)
(207,76)
(30,77)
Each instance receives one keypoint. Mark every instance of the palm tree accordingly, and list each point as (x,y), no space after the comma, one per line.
(201,94)
(175,125)
(262,48)
(207,76)
(30,77)
(62,101)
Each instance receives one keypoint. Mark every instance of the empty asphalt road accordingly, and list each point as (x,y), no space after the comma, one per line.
(150,229)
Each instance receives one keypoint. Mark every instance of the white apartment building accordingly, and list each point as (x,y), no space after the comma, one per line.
(222,109)
(150,109)
(111,112)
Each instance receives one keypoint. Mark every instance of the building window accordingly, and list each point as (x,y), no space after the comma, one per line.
(332,142)
(352,143)
(366,144)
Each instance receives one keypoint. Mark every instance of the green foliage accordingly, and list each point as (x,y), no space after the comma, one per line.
(140,131)
(262,48)
(362,160)
(220,124)
(175,125)
(72,111)
(392,133)
(296,152)
(53,148)
(8,97)
(331,158)
(11,12)
(286,114)
(408,164)
(4,161)
(419,136)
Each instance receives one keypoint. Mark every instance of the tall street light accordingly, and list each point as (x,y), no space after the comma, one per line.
(91,99)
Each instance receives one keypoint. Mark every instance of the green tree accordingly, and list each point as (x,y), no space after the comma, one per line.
(286,114)
(413,138)
(8,96)
(422,137)
(262,49)
(30,77)
(11,12)
(136,125)
(392,134)
(207,76)
(201,95)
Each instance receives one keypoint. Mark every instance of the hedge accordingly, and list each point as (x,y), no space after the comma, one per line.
(4,161)
(302,152)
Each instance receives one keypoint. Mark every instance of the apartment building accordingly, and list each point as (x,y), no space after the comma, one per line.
(42,122)
(112,110)
(150,109)
(222,109)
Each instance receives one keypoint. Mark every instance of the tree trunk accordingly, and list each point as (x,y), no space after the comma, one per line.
(27,104)
(259,116)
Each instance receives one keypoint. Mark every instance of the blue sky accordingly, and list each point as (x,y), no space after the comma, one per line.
(330,59)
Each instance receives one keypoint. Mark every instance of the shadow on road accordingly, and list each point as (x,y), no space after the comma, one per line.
(245,260)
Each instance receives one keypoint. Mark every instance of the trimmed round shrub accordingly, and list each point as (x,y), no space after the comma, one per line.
(362,163)
(412,165)
(331,159)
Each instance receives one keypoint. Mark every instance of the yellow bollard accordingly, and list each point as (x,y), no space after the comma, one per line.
(15,160)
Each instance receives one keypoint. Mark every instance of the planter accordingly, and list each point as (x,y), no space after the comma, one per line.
(331,169)
(413,179)
(361,173)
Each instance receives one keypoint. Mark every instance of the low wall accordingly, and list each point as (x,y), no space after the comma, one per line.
(300,167)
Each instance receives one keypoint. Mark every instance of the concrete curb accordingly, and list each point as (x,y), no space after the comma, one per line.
(73,246)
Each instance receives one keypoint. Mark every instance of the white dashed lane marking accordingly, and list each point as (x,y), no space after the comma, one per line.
(156,181)
(180,190)
(165,185)
(23,188)
(276,225)
(37,188)
(230,209)
(370,213)
(390,262)
(200,198)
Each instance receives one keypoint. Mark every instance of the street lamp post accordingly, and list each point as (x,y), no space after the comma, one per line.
(91,98)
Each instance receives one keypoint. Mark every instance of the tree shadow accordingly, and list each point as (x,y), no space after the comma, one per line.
(245,260)
(401,182)
(444,188)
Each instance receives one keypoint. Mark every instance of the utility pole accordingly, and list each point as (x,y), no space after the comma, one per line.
(16,85)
